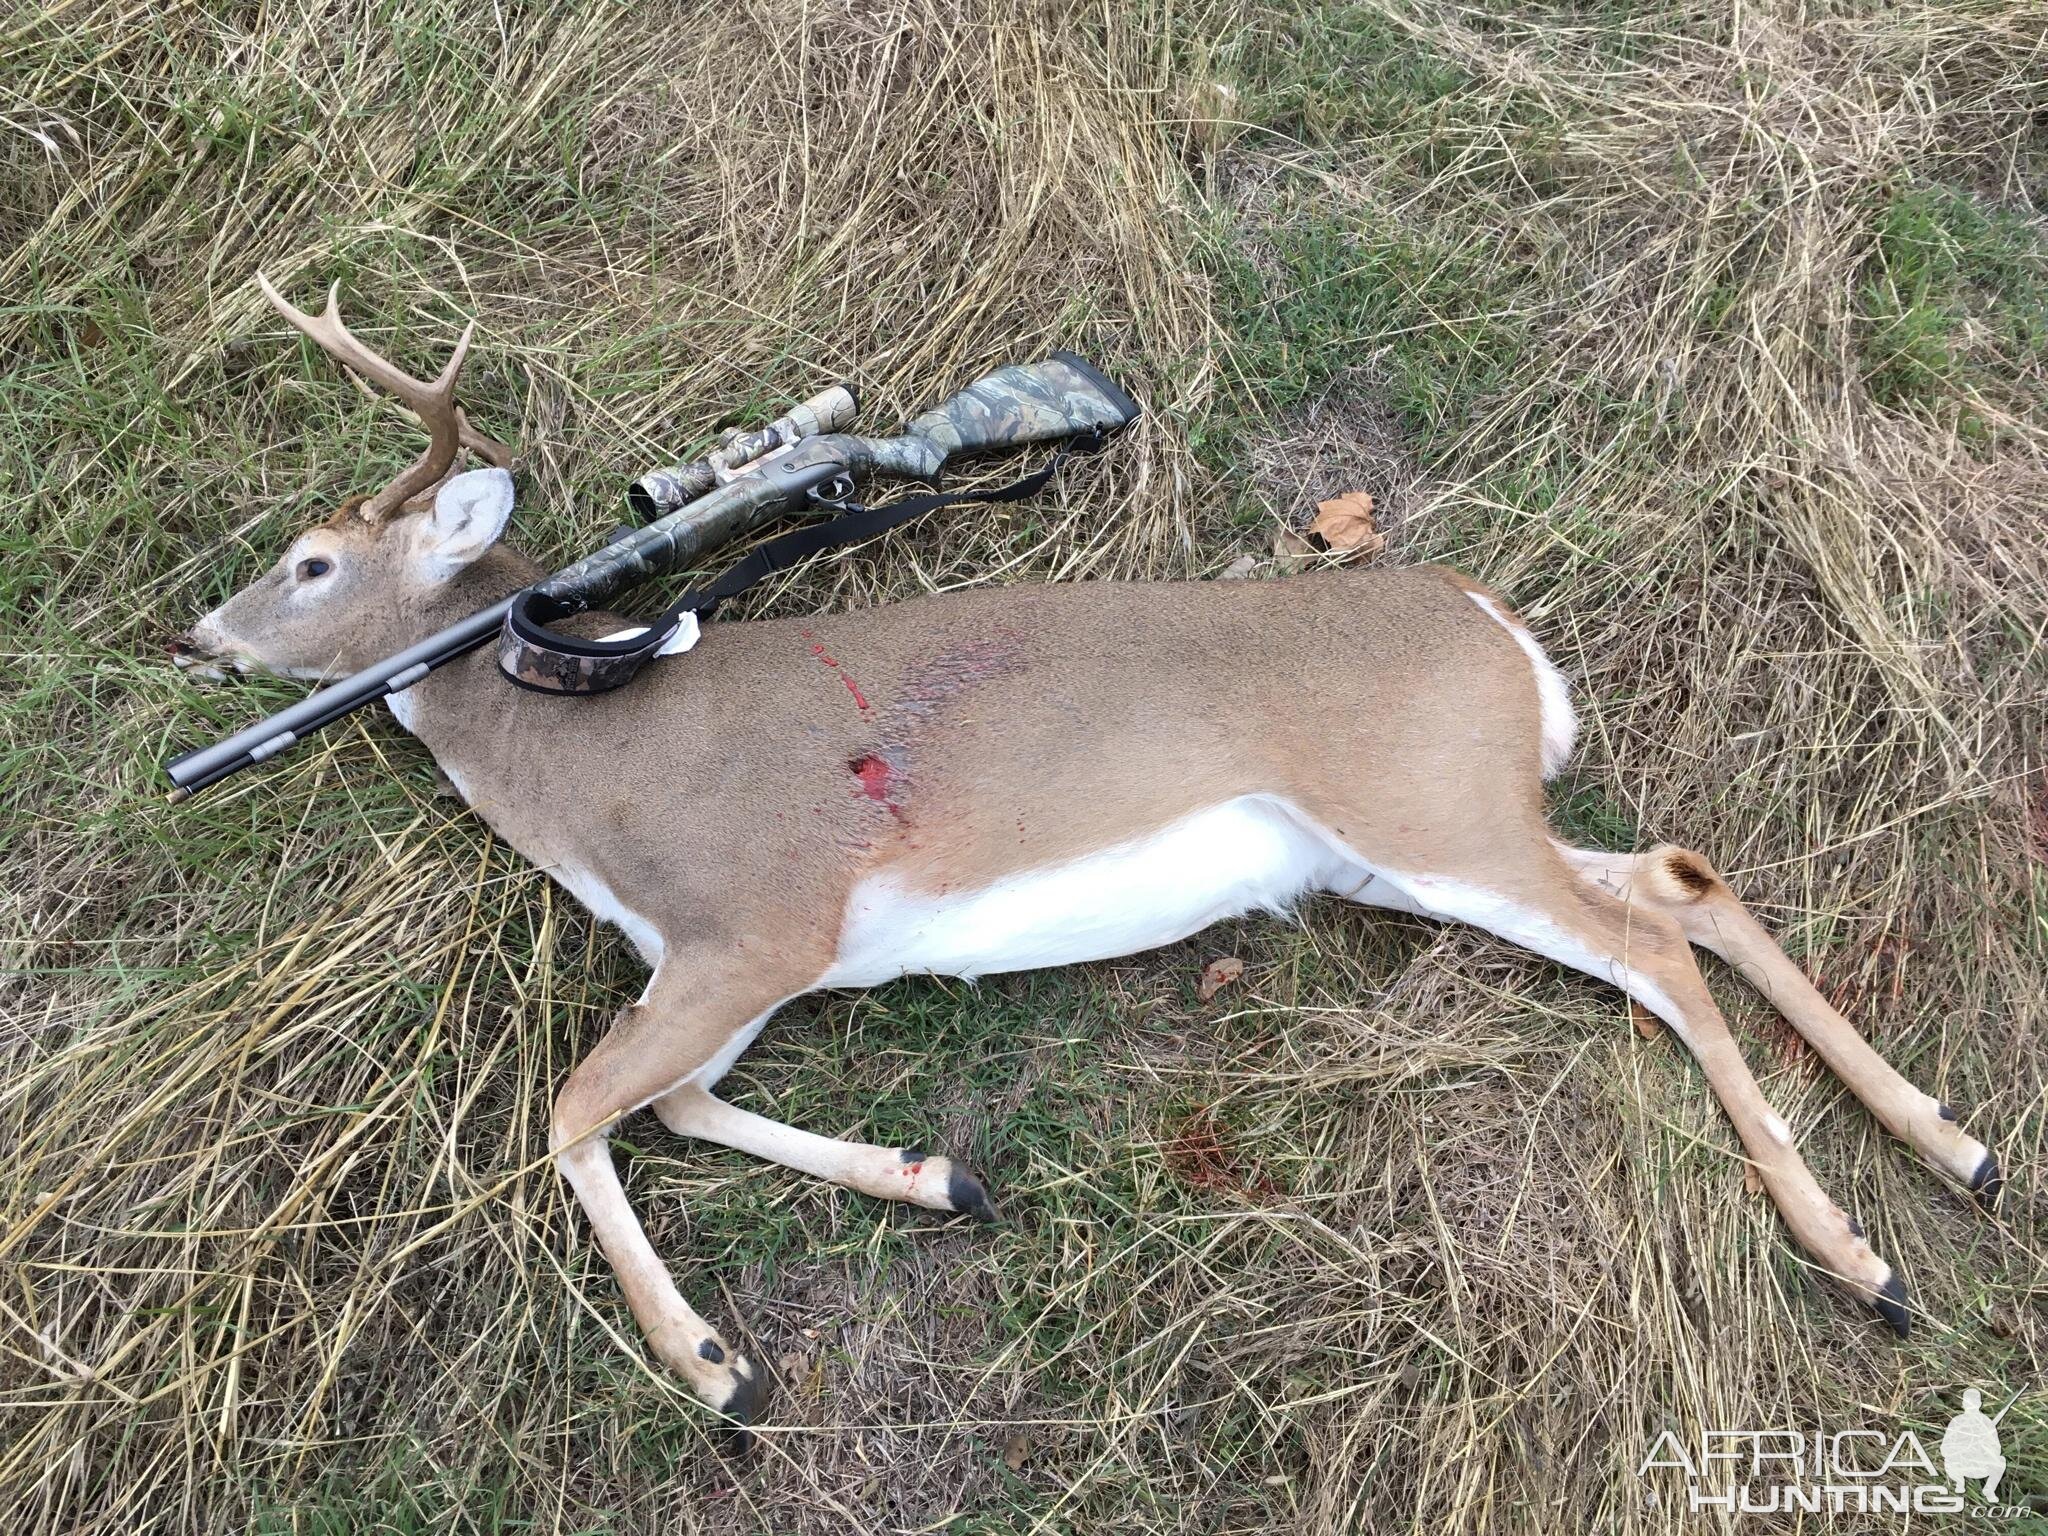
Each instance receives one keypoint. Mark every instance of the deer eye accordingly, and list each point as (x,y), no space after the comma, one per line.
(309,570)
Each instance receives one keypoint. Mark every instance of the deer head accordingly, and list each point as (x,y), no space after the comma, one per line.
(350,586)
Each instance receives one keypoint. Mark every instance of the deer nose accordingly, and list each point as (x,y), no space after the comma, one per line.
(195,649)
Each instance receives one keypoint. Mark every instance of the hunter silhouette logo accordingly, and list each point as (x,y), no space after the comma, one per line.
(1969,1446)
(1837,1470)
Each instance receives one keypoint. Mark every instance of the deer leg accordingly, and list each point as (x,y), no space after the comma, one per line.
(1537,904)
(1681,884)
(657,1044)
(937,1183)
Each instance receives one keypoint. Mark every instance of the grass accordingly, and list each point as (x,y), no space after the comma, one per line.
(1714,338)
(1956,301)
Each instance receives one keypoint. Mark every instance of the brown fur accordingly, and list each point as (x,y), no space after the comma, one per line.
(994,715)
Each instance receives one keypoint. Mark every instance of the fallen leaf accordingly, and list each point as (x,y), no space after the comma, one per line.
(1752,1180)
(1292,550)
(1016,1451)
(1214,115)
(1647,1024)
(1217,975)
(1345,524)
(800,1377)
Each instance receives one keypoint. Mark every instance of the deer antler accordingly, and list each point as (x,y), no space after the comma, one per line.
(448,429)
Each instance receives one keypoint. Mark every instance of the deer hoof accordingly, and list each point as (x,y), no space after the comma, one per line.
(1890,1302)
(750,1389)
(1987,1183)
(964,1190)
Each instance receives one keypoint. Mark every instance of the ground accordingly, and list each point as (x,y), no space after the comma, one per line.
(1713,336)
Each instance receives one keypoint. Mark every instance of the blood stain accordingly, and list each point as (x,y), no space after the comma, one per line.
(852,687)
(873,774)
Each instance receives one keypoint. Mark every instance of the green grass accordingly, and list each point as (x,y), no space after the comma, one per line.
(1339,288)
(1327,74)
(1955,299)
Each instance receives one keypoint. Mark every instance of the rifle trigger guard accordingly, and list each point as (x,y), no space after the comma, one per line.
(835,494)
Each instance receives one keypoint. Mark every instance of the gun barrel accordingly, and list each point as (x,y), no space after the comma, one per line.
(193,771)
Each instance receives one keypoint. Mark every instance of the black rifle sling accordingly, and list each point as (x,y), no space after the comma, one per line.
(538,658)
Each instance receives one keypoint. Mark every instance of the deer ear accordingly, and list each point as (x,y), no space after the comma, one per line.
(469,516)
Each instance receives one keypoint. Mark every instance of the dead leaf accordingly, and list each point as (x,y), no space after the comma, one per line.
(1292,550)
(1345,524)
(1217,975)
(1647,1024)
(1016,1451)
(1214,116)
(799,1376)
(1752,1180)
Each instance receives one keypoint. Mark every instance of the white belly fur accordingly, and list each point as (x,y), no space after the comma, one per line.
(1250,854)
(606,907)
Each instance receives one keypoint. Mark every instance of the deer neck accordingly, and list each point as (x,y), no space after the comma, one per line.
(455,709)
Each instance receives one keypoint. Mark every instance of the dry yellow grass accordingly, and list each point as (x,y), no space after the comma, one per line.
(1629,315)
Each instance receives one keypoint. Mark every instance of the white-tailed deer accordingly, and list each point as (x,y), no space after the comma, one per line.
(997,780)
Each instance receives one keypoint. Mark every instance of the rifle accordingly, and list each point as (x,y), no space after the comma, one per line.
(800,460)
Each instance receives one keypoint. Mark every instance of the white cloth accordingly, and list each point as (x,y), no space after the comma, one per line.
(685,636)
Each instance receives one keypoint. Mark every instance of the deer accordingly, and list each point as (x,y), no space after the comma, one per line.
(998,779)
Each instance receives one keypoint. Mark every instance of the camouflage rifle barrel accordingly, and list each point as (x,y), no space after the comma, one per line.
(673,542)
(661,491)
